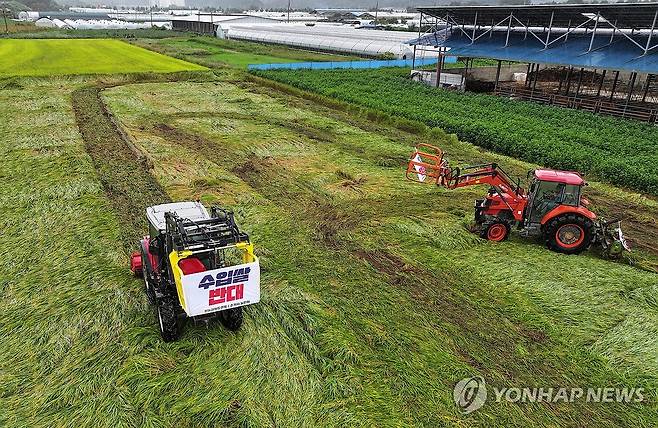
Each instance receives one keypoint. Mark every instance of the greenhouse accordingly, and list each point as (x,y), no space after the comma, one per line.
(330,38)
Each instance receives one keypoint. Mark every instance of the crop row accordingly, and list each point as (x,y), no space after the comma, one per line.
(618,151)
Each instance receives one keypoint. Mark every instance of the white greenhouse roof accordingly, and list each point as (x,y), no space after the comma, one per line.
(247,19)
(338,38)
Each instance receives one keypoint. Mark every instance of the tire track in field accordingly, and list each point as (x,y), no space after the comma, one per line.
(122,170)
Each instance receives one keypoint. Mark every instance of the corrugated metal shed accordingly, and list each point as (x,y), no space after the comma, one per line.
(598,36)
(619,55)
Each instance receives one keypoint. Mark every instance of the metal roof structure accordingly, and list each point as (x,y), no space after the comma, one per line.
(626,15)
(604,36)
(621,55)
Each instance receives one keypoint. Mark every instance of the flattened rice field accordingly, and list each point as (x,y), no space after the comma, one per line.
(48,57)
(376,299)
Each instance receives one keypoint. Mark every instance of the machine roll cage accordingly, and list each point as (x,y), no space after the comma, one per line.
(216,232)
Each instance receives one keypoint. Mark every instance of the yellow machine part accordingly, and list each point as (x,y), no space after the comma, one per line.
(174,258)
(247,251)
(248,256)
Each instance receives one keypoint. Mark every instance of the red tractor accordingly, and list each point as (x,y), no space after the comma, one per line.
(553,208)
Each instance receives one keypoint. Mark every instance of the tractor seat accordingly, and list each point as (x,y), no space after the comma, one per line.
(191,265)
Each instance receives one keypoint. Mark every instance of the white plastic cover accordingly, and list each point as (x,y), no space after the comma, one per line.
(44,22)
(335,38)
(194,211)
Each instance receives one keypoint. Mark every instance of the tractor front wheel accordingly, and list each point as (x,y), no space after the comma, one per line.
(569,234)
(167,319)
(497,231)
(231,318)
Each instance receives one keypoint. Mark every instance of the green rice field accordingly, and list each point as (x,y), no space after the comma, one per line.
(45,57)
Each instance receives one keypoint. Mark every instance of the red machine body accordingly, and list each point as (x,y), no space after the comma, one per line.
(552,207)
(136,259)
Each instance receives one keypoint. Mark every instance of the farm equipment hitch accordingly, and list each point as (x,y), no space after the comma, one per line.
(611,238)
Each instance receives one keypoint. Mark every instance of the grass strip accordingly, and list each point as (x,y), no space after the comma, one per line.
(123,173)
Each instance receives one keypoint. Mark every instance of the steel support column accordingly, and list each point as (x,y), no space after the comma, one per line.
(439,68)
(559,88)
(413,59)
(632,86)
(614,85)
(598,92)
(531,67)
(580,81)
(497,75)
(534,84)
(566,91)
(646,87)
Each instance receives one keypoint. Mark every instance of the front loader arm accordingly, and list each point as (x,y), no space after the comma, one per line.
(428,164)
(490,174)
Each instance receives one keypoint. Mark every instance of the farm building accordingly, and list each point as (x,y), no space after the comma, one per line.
(596,57)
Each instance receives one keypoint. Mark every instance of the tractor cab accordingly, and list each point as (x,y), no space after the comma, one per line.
(551,189)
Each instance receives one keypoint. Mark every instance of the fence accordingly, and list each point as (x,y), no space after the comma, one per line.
(594,105)
(329,65)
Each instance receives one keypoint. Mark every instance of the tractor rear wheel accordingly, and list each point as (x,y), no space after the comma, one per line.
(569,234)
(231,318)
(497,231)
(167,319)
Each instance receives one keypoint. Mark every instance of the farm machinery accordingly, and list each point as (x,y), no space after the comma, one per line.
(552,208)
(196,264)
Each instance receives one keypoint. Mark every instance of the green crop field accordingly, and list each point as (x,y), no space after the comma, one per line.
(622,152)
(81,56)
(376,298)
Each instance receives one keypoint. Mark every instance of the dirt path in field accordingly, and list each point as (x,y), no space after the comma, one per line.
(122,171)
